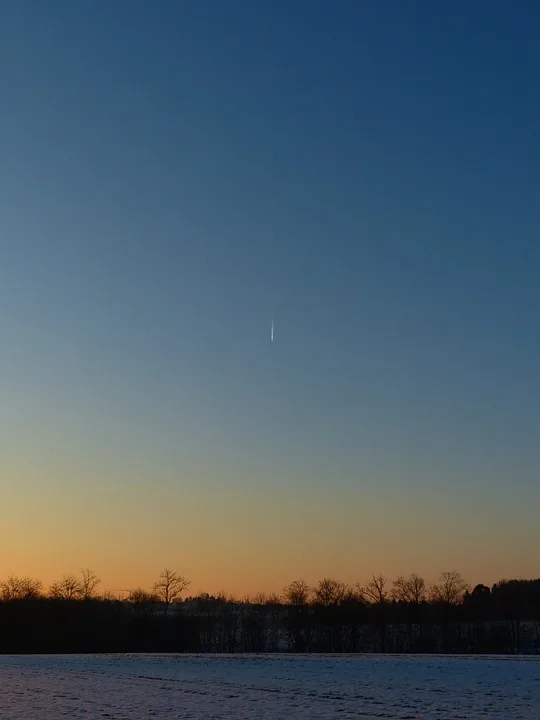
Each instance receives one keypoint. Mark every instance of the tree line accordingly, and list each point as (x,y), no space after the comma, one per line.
(403,615)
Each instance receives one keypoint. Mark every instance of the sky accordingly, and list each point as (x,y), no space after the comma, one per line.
(176,175)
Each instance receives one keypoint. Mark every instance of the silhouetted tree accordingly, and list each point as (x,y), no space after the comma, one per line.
(477,607)
(411,593)
(89,583)
(375,592)
(68,588)
(450,589)
(20,588)
(143,603)
(274,611)
(328,595)
(253,627)
(447,595)
(230,619)
(511,600)
(409,590)
(297,619)
(297,593)
(477,603)
(353,615)
(169,587)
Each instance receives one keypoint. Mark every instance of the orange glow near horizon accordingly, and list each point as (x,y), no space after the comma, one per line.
(220,542)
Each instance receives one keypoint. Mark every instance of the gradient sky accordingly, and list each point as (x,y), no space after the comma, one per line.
(175,174)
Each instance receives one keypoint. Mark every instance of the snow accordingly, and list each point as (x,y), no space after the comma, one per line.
(271,686)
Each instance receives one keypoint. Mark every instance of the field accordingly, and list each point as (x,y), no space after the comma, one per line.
(262,687)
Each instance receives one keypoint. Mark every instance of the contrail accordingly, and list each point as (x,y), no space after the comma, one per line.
(272,331)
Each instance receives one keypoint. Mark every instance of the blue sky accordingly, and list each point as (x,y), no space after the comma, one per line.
(175,174)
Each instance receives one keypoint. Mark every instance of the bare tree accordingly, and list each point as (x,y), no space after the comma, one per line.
(20,588)
(353,614)
(329,592)
(450,589)
(142,602)
(169,587)
(68,588)
(274,610)
(353,595)
(89,583)
(328,596)
(141,595)
(412,592)
(410,589)
(297,621)
(376,594)
(375,591)
(297,593)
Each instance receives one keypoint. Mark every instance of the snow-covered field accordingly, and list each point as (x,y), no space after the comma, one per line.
(262,687)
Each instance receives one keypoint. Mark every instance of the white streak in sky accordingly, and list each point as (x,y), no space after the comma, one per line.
(272,332)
